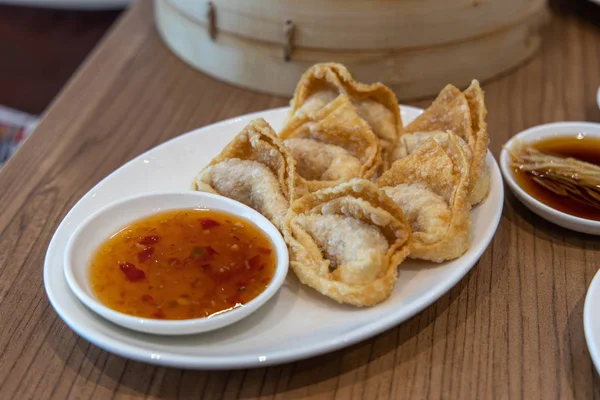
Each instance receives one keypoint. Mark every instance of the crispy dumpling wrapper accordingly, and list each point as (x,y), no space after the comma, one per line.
(347,241)
(431,186)
(411,142)
(256,169)
(480,178)
(448,112)
(375,103)
(332,145)
(462,113)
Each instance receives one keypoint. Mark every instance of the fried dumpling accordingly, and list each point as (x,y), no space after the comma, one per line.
(462,113)
(256,169)
(346,242)
(321,163)
(332,145)
(481,177)
(431,187)
(375,103)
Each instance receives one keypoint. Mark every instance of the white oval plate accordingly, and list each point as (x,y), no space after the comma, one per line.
(545,131)
(297,322)
(591,320)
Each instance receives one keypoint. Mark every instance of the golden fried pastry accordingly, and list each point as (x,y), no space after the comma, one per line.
(410,142)
(431,186)
(347,241)
(255,168)
(481,177)
(332,145)
(375,103)
(320,163)
(449,112)
(463,114)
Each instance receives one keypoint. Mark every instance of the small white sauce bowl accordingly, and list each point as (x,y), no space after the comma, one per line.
(105,222)
(591,322)
(558,129)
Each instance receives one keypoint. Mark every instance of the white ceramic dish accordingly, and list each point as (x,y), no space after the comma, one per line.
(110,219)
(544,211)
(591,320)
(297,322)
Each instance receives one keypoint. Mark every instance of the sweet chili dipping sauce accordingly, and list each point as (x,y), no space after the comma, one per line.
(183,264)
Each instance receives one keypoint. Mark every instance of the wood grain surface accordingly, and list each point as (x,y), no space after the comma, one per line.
(512,328)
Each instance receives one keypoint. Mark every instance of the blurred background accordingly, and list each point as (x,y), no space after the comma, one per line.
(43,42)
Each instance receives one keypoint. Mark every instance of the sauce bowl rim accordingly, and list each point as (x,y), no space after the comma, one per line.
(184,326)
(554,129)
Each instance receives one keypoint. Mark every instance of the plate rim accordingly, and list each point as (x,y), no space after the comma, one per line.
(137,353)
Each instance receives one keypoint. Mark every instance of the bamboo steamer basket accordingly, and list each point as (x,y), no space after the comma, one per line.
(414,47)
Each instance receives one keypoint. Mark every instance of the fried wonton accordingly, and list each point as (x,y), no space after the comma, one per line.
(481,179)
(255,168)
(462,113)
(375,103)
(431,186)
(332,145)
(347,241)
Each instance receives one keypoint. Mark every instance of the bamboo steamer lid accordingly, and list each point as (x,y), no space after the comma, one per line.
(414,47)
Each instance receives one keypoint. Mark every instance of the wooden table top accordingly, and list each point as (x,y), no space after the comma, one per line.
(511,327)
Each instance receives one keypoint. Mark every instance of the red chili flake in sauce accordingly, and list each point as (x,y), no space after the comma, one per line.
(145,254)
(210,250)
(147,298)
(208,223)
(132,273)
(149,240)
(158,314)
